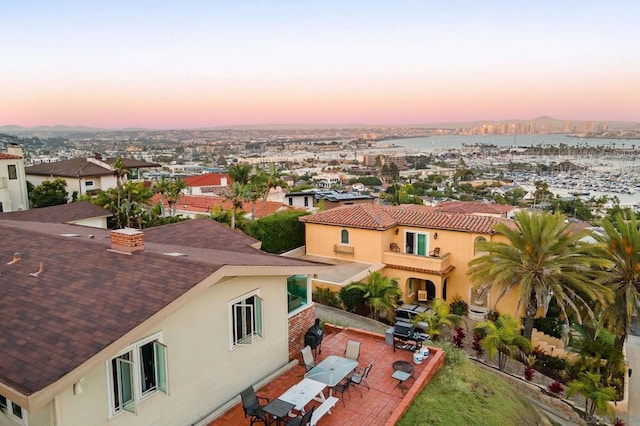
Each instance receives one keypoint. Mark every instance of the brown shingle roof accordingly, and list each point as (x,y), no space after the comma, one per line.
(63,213)
(385,217)
(80,167)
(206,203)
(87,297)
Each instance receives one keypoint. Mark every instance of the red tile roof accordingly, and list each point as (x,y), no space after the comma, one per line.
(385,217)
(470,207)
(210,179)
(206,203)
(5,156)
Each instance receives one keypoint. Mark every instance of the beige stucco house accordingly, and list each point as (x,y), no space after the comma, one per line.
(426,250)
(13,183)
(125,327)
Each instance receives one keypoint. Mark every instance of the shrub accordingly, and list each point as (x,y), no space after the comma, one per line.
(550,326)
(352,297)
(458,337)
(475,345)
(327,297)
(279,232)
(555,388)
(529,372)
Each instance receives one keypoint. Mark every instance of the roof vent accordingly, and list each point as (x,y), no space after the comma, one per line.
(127,240)
(176,254)
(70,235)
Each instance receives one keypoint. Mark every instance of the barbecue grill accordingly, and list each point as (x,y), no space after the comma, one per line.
(313,337)
(406,332)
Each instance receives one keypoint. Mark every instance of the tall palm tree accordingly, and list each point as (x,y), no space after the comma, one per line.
(173,194)
(439,317)
(622,240)
(240,173)
(238,195)
(162,187)
(273,179)
(121,172)
(380,294)
(542,259)
(502,337)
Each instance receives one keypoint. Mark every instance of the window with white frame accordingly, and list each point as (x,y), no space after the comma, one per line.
(417,243)
(245,319)
(13,410)
(13,171)
(140,370)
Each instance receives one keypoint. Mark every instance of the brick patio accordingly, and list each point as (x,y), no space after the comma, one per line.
(383,404)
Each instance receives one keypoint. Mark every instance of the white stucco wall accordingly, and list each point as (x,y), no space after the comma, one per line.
(203,373)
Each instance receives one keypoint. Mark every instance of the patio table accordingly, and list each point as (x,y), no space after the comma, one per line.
(332,370)
(302,393)
(278,408)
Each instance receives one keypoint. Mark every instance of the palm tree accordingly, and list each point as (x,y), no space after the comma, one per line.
(622,240)
(240,173)
(502,337)
(239,195)
(380,294)
(439,317)
(596,395)
(173,194)
(120,171)
(273,179)
(542,259)
(162,187)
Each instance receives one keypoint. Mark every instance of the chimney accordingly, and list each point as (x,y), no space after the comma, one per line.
(97,155)
(127,240)
(15,149)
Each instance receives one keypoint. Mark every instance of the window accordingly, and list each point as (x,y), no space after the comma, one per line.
(416,243)
(306,201)
(13,171)
(136,373)
(297,295)
(246,319)
(13,410)
(344,237)
(290,201)
(475,246)
(88,183)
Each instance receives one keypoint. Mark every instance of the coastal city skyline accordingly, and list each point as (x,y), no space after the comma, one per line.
(199,64)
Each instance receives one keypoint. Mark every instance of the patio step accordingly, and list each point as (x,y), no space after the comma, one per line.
(323,409)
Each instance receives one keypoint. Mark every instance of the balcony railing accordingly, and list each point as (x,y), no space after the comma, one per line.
(434,264)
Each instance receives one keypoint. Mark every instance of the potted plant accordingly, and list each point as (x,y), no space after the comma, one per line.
(459,306)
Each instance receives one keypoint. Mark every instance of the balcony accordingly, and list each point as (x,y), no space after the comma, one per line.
(436,265)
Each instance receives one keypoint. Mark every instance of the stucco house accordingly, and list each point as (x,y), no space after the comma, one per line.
(426,250)
(207,184)
(13,183)
(126,327)
(85,175)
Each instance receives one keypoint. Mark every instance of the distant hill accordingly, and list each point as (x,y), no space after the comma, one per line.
(543,121)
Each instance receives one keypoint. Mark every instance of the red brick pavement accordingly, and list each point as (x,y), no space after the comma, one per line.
(384,403)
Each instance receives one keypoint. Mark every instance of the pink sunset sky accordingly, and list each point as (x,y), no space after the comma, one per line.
(197,64)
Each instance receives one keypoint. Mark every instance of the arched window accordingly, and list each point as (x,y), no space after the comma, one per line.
(344,237)
(475,246)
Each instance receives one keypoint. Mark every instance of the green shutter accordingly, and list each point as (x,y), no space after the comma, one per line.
(422,244)
(160,352)
(258,316)
(125,385)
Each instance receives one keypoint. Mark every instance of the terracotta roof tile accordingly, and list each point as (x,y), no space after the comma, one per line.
(5,156)
(206,203)
(470,207)
(385,217)
(209,179)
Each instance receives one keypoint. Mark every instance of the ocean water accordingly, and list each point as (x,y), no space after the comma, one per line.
(439,143)
(433,143)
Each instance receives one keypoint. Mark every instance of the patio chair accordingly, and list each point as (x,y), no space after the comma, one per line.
(303,420)
(361,379)
(352,350)
(307,357)
(252,407)
(341,388)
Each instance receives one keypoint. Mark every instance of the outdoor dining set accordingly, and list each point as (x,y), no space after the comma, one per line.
(339,374)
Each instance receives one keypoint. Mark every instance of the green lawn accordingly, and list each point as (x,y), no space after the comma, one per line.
(463,394)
